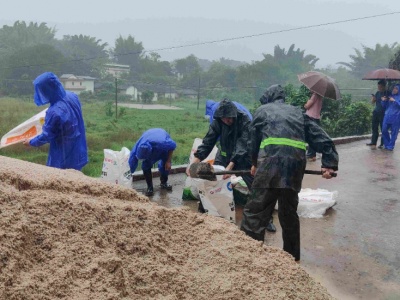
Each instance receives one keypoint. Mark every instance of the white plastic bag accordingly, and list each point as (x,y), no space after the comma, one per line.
(187,189)
(314,203)
(27,130)
(116,167)
(193,183)
(217,198)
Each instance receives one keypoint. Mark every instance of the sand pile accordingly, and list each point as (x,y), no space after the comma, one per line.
(64,235)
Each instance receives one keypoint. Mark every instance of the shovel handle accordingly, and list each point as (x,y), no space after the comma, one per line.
(245,172)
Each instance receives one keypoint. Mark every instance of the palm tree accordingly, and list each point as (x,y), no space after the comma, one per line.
(369,59)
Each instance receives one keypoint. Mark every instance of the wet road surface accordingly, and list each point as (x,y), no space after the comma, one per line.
(354,250)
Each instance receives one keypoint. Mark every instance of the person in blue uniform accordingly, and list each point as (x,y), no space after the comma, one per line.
(392,118)
(155,145)
(63,127)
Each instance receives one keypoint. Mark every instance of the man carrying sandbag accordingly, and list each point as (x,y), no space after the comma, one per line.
(63,127)
(155,145)
(232,125)
(277,145)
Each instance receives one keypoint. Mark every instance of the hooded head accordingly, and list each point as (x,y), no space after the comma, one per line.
(397,86)
(48,89)
(274,93)
(144,151)
(227,112)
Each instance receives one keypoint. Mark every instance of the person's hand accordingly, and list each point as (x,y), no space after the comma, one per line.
(384,98)
(167,166)
(326,173)
(253,170)
(26,142)
(226,176)
(391,99)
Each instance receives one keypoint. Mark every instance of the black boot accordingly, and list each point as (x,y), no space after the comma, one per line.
(164,183)
(149,180)
(271,227)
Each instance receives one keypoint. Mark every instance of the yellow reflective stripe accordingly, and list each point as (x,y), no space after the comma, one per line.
(283,141)
(223,153)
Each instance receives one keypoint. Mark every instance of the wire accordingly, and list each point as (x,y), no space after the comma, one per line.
(211,42)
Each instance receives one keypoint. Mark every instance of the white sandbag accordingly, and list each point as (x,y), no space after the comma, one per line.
(116,167)
(314,203)
(27,130)
(217,198)
(193,183)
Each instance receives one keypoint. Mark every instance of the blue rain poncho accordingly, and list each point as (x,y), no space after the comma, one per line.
(152,146)
(391,120)
(63,128)
(209,105)
(214,106)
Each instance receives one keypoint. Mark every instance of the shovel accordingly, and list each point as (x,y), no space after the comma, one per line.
(206,171)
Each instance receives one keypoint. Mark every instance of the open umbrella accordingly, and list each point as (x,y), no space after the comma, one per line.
(386,74)
(321,84)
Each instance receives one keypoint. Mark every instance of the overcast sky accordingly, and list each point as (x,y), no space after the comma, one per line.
(161,23)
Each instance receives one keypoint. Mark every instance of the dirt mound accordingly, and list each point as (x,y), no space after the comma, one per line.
(64,235)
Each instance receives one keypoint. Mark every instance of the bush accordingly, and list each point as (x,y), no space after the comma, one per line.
(356,119)
(125,98)
(108,109)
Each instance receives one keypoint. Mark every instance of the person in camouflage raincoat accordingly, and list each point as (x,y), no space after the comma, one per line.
(277,146)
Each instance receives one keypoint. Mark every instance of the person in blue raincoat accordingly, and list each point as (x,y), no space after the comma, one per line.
(63,128)
(392,118)
(154,145)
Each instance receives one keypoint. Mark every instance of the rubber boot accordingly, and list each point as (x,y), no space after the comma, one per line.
(149,180)
(164,183)
(271,227)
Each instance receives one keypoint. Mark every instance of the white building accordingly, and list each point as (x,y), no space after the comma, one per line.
(77,84)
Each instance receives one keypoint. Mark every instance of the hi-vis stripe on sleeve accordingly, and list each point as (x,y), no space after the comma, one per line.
(282,141)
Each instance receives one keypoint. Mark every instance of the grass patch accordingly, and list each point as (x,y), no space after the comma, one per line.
(104,132)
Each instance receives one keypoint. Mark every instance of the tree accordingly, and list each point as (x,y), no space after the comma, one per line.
(22,67)
(369,59)
(220,74)
(22,35)
(147,96)
(282,67)
(79,47)
(128,52)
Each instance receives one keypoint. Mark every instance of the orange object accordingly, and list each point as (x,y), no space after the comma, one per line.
(26,135)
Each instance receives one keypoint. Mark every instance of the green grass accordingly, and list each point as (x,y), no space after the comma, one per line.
(104,132)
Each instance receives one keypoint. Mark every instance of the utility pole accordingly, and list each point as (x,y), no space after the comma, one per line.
(198,95)
(170,100)
(116,98)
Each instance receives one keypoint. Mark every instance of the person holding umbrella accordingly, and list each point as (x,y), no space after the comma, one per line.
(313,107)
(378,114)
(322,86)
(392,118)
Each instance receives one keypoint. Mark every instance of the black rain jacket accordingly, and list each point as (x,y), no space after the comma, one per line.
(277,144)
(233,142)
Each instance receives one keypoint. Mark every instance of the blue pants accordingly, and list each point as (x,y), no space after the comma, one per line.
(148,164)
(390,139)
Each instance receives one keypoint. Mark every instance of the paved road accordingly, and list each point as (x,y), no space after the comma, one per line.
(354,249)
(149,106)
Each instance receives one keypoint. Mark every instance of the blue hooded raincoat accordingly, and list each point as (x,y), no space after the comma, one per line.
(152,146)
(63,128)
(391,120)
(213,107)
